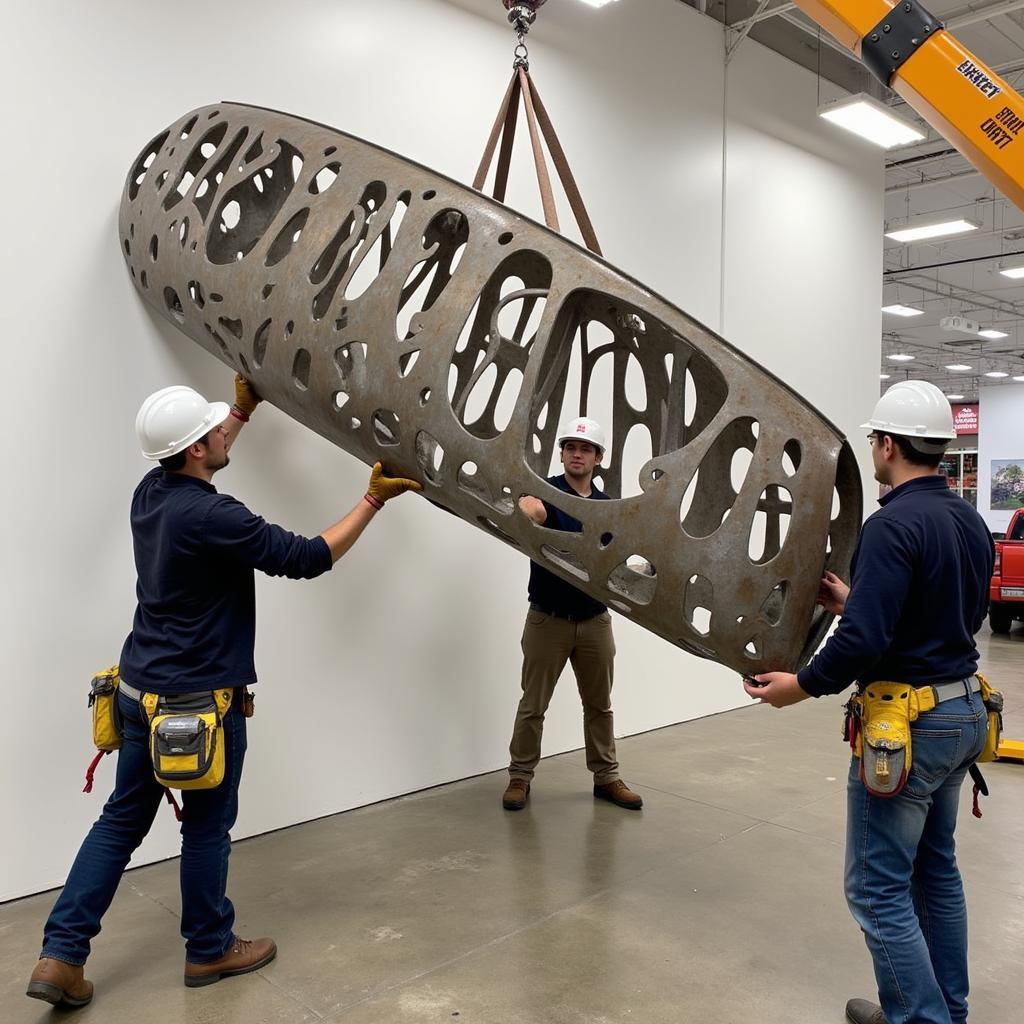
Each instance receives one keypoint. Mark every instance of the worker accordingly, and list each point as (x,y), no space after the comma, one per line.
(917,596)
(193,632)
(564,624)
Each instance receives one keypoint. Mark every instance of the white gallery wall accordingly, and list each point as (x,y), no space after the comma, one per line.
(400,669)
(1000,437)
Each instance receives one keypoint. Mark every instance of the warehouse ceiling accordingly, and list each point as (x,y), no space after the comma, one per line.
(957,276)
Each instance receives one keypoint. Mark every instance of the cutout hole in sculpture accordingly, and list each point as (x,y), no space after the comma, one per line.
(259,342)
(300,368)
(187,128)
(837,505)
(636,453)
(407,361)
(722,474)
(216,297)
(606,539)
(127,248)
(791,454)
(340,398)
(350,360)
(429,194)
(635,578)
(144,280)
(173,304)
(221,343)
(324,179)
(430,456)
(753,648)
(286,238)
(385,427)
(142,165)
(267,289)
(770,525)
(375,241)
(504,238)
(255,150)
(566,561)
(774,605)
(194,163)
(445,239)
(231,326)
(154,248)
(183,232)
(698,599)
(355,422)
(424,396)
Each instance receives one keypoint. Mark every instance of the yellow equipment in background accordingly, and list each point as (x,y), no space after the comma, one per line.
(908,50)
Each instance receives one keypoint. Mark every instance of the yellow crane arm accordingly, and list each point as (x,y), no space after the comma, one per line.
(909,51)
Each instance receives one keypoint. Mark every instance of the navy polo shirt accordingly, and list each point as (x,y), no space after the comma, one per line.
(195,552)
(551,592)
(919,592)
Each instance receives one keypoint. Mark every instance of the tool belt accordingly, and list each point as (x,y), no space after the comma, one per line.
(877,727)
(107,727)
(186,737)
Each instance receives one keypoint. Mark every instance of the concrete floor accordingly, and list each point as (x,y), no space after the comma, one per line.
(720,902)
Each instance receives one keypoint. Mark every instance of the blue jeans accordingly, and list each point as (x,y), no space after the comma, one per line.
(207,916)
(903,885)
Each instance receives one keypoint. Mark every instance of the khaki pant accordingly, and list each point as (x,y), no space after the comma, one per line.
(548,643)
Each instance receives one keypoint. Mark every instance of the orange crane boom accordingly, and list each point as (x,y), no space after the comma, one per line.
(908,49)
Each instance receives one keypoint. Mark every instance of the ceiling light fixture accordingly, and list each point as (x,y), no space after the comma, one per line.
(954,397)
(597,3)
(867,117)
(1013,272)
(901,357)
(996,373)
(884,376)
(897,310)
(1019,378)
(933,230)
(958,367)
(990,333)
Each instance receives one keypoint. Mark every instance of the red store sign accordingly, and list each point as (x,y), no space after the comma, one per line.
(965,419)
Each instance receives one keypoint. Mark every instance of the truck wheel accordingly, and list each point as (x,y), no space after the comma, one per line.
(1000,619)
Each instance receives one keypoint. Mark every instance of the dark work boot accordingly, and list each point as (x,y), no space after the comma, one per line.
(59,983)
(516,794)
(619,794)
(860,1011)
(245,955)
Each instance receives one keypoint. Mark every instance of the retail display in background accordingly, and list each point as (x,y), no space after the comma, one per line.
(1007,484)
(412,320)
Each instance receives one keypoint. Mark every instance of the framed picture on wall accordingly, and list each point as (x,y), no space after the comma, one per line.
(1007,484)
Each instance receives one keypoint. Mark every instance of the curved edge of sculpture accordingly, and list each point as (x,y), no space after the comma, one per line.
(412,320)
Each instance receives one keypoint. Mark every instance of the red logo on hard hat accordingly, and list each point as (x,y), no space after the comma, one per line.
(581,428)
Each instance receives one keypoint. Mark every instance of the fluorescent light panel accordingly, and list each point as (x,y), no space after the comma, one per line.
(901,357)
(958,367)
(897,310)
(865,116)
(1013,272)
(936,229)
(597,3)
(996,373)
(1019,378)
(989,333)
(954,397)
(884,376)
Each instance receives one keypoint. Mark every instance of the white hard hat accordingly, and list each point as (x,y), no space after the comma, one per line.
(172,418)
(583,429)
(915,409)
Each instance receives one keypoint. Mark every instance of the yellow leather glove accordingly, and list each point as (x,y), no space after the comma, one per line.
(384,487)
(246,398)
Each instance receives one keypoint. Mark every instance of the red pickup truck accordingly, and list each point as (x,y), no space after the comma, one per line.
(1006,594)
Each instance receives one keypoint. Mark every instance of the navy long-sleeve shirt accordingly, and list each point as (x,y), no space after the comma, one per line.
(549,591)
(918,594)
(195,552)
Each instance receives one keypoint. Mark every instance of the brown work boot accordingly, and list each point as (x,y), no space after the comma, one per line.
(860,1011)
(245,955)
(58,982)
(515,795)
(619,793)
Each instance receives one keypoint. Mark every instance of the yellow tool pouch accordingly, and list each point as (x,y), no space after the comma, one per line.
(885,711)
(106,718)
(993,701)
(186,738)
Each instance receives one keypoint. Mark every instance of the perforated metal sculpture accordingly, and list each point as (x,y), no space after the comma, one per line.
(409,319)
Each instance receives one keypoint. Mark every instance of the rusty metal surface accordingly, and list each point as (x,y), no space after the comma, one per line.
(410,319)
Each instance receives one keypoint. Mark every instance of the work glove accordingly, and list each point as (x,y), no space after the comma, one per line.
(384,487)
(246,398)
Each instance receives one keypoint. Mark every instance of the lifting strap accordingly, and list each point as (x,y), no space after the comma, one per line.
(522,87)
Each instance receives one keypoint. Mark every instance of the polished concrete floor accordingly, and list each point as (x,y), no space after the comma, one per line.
(719,902)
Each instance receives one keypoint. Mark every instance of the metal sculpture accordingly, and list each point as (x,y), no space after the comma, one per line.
(409,319)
